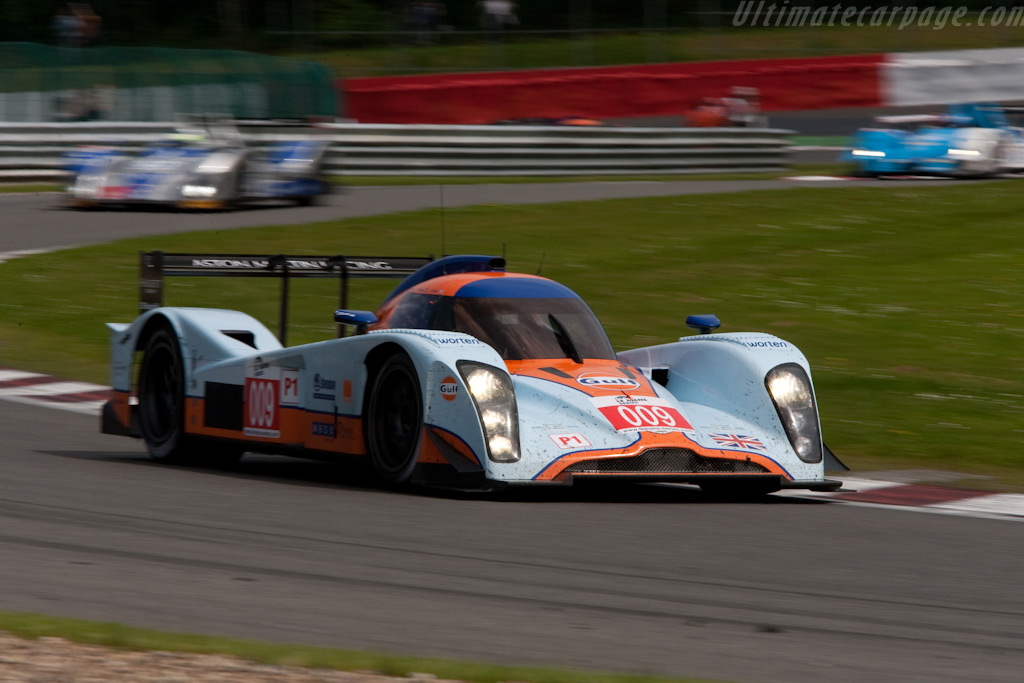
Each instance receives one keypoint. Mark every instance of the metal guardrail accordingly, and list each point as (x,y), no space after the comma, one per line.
(35,150)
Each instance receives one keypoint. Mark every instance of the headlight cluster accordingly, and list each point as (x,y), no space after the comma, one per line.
(495,402)
(200,186)
(790,389)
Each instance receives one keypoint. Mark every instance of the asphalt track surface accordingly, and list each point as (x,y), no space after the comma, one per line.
(41,221)
(643,579)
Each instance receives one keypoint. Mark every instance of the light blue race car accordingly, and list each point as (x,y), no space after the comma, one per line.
(968,140)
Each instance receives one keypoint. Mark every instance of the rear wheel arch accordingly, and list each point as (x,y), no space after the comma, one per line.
(154,323)
(162,415)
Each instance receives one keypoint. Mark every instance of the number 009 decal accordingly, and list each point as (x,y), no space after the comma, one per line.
(262,417)
(642,414)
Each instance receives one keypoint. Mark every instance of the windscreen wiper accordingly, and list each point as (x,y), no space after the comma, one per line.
(564,340)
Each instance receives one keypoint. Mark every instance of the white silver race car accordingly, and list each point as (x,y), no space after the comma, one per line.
(473,377)
(197,168)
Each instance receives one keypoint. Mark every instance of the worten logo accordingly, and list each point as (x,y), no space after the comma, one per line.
(594,379)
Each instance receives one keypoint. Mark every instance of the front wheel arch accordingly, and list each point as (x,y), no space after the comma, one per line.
(393,415)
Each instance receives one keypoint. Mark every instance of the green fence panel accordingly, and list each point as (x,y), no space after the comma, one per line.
(46,83)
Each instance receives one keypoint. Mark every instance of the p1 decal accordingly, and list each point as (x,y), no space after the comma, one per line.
(598,380)
(262,415)
(449,388)
(567,441)
(739,442)
(289,387)
(642,414)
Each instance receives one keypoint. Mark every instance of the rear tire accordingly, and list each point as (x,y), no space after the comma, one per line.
(394,420)
(161,390)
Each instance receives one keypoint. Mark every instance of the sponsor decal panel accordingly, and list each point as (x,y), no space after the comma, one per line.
(323,388)
(458,341)
(739,442)
(768,344)
(642,414)
(449,388)
(267,388)
(262,413)
(599,380)
(324,429)
(567,441)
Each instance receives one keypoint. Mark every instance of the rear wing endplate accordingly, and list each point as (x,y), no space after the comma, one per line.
(154,266)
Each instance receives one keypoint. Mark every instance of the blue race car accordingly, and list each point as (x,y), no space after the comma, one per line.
(968,140)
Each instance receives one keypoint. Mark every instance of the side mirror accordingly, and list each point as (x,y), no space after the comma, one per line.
(361,319)
(705,324)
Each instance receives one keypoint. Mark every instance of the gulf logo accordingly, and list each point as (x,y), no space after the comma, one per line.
(449,389)
(610,382)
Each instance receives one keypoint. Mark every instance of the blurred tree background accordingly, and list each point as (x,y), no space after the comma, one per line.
(244,23)
(365,37)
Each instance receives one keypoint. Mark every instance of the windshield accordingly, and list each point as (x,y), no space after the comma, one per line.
(520,329)
(517,328)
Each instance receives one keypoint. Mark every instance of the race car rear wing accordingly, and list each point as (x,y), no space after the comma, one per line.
(154,266)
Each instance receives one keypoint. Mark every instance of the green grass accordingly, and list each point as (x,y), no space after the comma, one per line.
(22,187)
(906,300)
(31,626)
(454,53)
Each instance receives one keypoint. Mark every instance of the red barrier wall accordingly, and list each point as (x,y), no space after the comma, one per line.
(612,92)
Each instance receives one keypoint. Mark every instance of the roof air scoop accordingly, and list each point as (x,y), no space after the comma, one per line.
(705,324)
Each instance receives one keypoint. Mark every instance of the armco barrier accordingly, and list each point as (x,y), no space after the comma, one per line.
(34,151)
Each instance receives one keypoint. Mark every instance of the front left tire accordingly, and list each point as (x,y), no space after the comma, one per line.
(394,420)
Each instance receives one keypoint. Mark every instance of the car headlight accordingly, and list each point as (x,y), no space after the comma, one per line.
(790,389)
(495,402)
(867,153)
(953,152)
(200,186)
(203,191)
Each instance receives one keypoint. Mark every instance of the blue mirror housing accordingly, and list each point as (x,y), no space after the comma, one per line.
(705,324)
(361,319)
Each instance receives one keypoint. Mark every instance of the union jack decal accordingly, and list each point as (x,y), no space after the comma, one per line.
(743,443)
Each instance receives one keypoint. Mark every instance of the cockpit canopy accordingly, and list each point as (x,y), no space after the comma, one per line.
(522,318)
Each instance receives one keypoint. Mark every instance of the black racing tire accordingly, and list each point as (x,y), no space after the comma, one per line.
(394,420)
(161,393)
